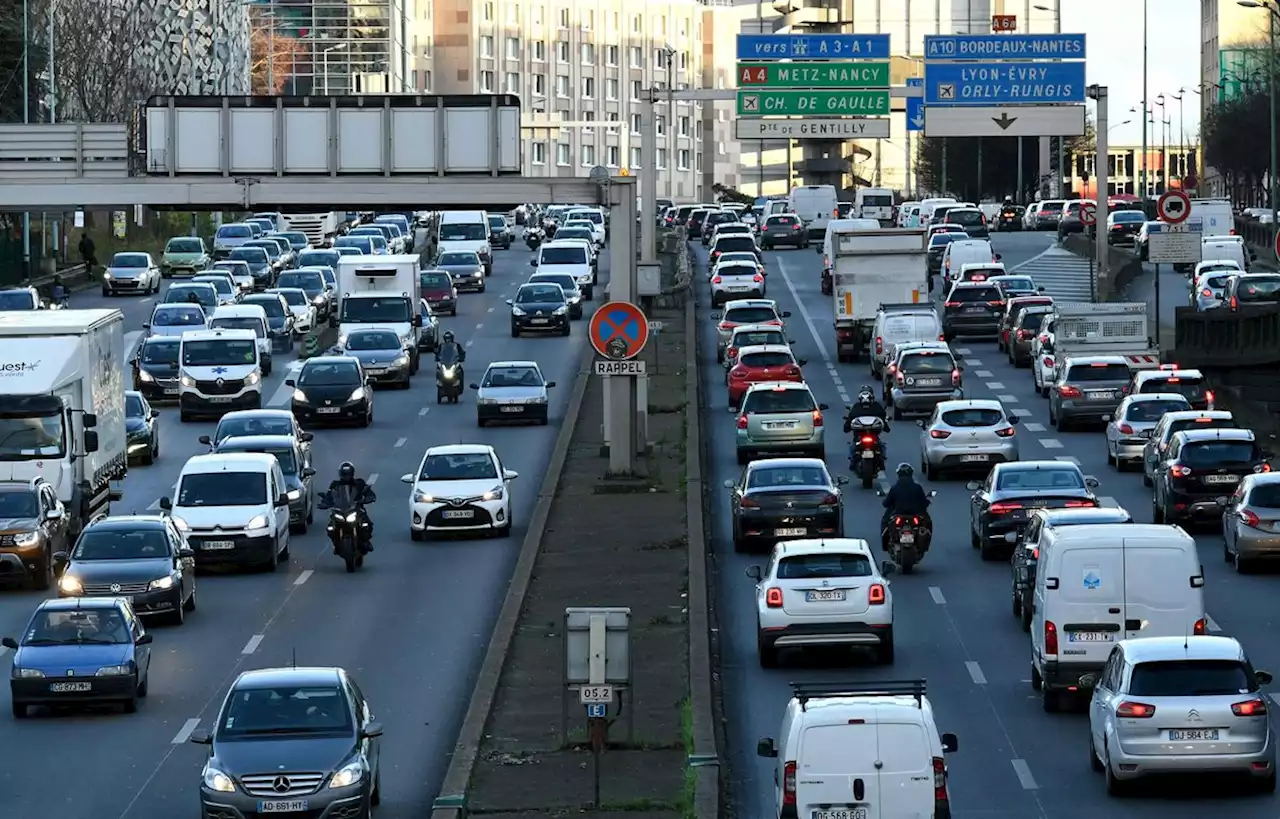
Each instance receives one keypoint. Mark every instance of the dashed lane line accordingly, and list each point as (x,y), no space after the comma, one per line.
(783,264)
(1032,426)
(1211,624)
(400,442)
(973,362)
(490,310)
(373,478)
(975,673)
(963,350)
(423,411)
(1023,772)
(1006,398)
(304,577)
(184,733)
(936,594)
(252,645)
(983,374)
(1068,458)
(1050,443)
(995,385)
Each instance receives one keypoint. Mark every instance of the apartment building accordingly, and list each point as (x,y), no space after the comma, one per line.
(1229,62)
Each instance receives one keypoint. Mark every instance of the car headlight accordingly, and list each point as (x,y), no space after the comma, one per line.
(560,311)
(181,524)
(216,780)
(422,497)
(27,673)
(318,300)
(107,276)
(161,583)
(347,775)
(486,402)
(26,539)
(257,522)
(70,584)
(143,375)
(516,311)
(401,361)
(300,397)
(496,493)
(186,380)
(252,378)
(294,494)
(115,670)
(357,394)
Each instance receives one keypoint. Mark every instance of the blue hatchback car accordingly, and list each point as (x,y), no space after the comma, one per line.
(80,651)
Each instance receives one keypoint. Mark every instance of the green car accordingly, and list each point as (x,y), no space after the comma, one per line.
(184,256)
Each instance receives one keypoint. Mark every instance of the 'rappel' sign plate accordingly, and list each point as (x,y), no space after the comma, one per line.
(1174,207)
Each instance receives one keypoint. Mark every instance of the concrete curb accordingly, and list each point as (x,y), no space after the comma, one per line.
(451,802)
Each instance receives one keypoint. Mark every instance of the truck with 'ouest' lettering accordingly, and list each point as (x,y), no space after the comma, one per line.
(871,268)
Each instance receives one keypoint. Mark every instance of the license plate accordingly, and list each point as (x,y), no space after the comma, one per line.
(1221,479)
(376,370)
(840,813)
(975,309)
(973,459)
(868,454)
(1089,637)
(329,410)
(780,424)
(928,382)
(538,321)
(825,596)
(1101,396)
(513,409)
(907,537)
(792,532)
(458,514)
(282,805)
(214,545)
(220,399)
(68,687)
(170,390)
(1187,734)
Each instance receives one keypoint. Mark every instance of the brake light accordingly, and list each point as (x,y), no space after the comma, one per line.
(1007,432)
(1125,429)
(939,786)
(817,418)
(732,352)
(1047,361)
(1135,710)
(1067,391)
(1050,637)
(1231,232)
(1207,293)
(829,500)
(725,325)
(1004,507)
(875,594)
(879,345)
(868,439)
(1035,553)
(1167,367)
(792,371)
(1250,708)
(1208,396)
(955,378)
(1173,380)
(1265,468)
(757,278)
(796,227)
(716,280)
(1080,504)
(738,372)
(789,783)
(1023,335)
(942,337)
(742,421)
(1199,627)
(773,597)
(1234,303)
(1179,471)
(749,503)
(951,304)
(939,434)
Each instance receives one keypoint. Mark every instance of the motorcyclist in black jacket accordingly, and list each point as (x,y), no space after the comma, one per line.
(906,498)
(866,407)
(449,349)
(364,492)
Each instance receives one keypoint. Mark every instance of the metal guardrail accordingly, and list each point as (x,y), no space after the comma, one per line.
(74,150)
(1227,338)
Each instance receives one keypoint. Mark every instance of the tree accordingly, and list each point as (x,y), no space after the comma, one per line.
(1236,136)
(998,163)
(11,62)
(724,193)
(101,66)
(274,58)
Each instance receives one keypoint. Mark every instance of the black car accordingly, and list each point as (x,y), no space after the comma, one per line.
(1003,502)
(1123,226)
(313,284)
(1010,218)
(332,389)
(155,368)
(275,255)
(295,464)
(971,219)
(381,354)
(972,309)
(938,247)
(320,257)
(259,262)
(258,422)
(1200,471)
(539,308)
(295,741)
(734,243)
(140,427)
(781,498)
(279,318)
(500,233)
(142,557)
(714,218)
(696,221)
(783,229)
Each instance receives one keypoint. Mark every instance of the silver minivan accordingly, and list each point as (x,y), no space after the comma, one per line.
(779,417)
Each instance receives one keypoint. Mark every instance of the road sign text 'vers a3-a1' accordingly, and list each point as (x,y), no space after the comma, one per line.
(629,367)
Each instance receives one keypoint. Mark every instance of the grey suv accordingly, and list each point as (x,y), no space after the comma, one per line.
(1088,390)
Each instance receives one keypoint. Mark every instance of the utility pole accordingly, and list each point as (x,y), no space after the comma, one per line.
(1142,194)
(671,125)
(1098,93)
(649,179)
(26,120)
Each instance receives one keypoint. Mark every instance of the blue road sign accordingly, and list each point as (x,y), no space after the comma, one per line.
(597,710)
(1018,83)
(915,106)
(813,46)
(1003,47)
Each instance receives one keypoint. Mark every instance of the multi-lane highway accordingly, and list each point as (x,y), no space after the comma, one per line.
(953,621)
(411,626)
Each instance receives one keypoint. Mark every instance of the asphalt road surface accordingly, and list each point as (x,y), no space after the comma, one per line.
(411,626)
(953,621)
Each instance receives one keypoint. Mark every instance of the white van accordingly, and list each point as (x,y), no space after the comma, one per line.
(966,251)
(815,205)
(466,230)
(874,203)
(233,508)
(246,317)
(927,206)
(1219,219)
(568,256)
(1102,583)
(1226,248)
(218,371)
(867,750)
(899,324)
(904,212)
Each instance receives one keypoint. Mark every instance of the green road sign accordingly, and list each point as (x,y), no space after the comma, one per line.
(813,75)
(812,103)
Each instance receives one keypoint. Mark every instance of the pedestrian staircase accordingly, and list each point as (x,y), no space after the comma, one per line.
(1061,273)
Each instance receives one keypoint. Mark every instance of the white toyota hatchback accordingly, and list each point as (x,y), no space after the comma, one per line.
(460,488)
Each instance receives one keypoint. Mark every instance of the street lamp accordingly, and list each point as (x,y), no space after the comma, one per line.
(324,65)
(1164,142)
(1056,10)
(1272,14)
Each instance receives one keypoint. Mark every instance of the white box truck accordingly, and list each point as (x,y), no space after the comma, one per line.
(380,292)
(320,228)
(871,268)
(1111,328)
(62,383)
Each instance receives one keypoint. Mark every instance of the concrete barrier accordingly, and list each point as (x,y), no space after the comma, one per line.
(1249,337)
(1122,264)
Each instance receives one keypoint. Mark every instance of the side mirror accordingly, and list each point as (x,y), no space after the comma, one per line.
(950,743)
(728,483)
(146,325)
(9,642)
(510,302)
(920,423)
(1091,482)
(406,478)
(715,316)
(533,263)
(373,729)
(888,567)
(307,437)
(166,504)
(206,440)
(155,413)
(754,573)
(200,737)
(90,420)
(785,314)
(417,321)
(823,407)
(842,480)
(186,553)
(283,500)
(802,361)
(973,486)
(308,473)
(474,386)
(144,640)
(999,257)
(510,474)
(54,514)
(764,747)
(1011,537)
(1262,677)
(1267,454)
(60,560)
(291,382)
(550,384)
(90,441)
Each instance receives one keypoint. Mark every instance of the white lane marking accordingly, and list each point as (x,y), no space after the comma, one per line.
(936,594)
(1068,459)
(479,326)
(995,385)
(1032,426)
(1211,624)
(1005,398)
(283,395)
(975,673)
(400,442)
(184,733)
(155,505)
(470,341)
(783,264)
(963,350)
(490,310)
(973,362)
(304,577)
(147,300)
(252,645)
(130,341)
(1028,262)
(423,411)
(1050,443)
(1024,775)
(982,373)
(3,650)
(1109,502)
(373,478)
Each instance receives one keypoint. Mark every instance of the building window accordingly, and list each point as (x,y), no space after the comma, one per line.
(588,54)
(513,48)
(662,158)
(539,85)
(636,89)
(589,20)
(588,156)
(635,57)
(635,158)
(611,55)
(562,51)
(662,26)
(562,86)
(588,87)
(637,24)
(662,125)
(564,18)
(562,154)
(660,58)
(486,47)
(682,157)
(588,116)
(538,153)
(685,124)
(486,82)
(488,11)
(684,60)
(539,51)
(613,156)
(721,150)
(697,130)
(637,122)
(611,89)
(511,84)
(426,81)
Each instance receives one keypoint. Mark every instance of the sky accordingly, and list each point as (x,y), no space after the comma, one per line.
(1113,32)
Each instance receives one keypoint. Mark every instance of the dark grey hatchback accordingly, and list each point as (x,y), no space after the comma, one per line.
(292,741)
(972,309)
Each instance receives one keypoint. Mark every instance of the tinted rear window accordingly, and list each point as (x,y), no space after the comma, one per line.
(1187,678)
(1095,372)
(1208,423)
(818,567)
(974,294)
(1192,388)
(1256,288)
(788,221)
(1216,282)
(927,363)
(940,240)
(1035,479)
(750,315)
(1150,412)
(1206,454)
(765,360)
(733,242)
(758,337)
(1050,207)
(972,417)
(767,401)
(967,218)
(1031,321)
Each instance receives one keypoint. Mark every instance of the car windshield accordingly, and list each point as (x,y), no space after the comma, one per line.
(129,260)
(212,352)
(219,284)
(563,255)
(737,269)
(592,216)
(782,221)
(239,323)
(309,282)
(1263,495)
(512,377)
(773,477)
(459,466)
(1083,373)
(750,315)
(329,375)
(735,243)
(1050,207)
(355,242)
(1258,288)
(133,406)
(965,218)
(203,294)
(770,359)
(284,457)
(778,400)
(234,232)
(285,710)
(161,352)
(270,248)
(1128,216)
(373,340)
(458,259)
(1033,479)
(252,425)
(294,297)
(235,268)
(1189,678)
(16,300)
(562,280)
(534,294)
(752,338)
(223,489)
(365,309)
(326,258)
(972,417)
(102,626)
(1031,322)
(497,223)
(298,239)
(20,503)
(177,317)
(271,305)
(435,281)
(1017,285)
(252,255)
(822,566)
(917,363)
(1193,388)
(104,543)
(940,240)
(573,233)
(184,246)
(1211,454)
(970,295)
(1150,412)
(464,232)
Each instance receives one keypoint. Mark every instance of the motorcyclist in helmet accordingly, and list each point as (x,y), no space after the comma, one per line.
(449,349)
(364,493)
(866,406)
(906,497)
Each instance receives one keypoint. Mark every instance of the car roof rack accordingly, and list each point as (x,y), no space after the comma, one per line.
(803,692)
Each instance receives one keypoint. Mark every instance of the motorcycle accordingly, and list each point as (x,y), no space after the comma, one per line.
(907,539)
(348,531)
(533,238)
(449,377)
(866,453)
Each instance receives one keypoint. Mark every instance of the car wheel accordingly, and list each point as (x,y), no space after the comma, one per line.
(130,706)
(1095,762)
(515,331)
(884,651)
(274,560)
(1111,459)
(417,535)
(1115,786)
(19,710)
(190,604)
(179,614)
(767,653)
(1050,700)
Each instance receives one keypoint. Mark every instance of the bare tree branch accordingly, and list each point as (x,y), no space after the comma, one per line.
(100,70)
(285,52)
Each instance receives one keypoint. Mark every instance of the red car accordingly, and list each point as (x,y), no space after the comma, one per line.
(436,286)
(762,364)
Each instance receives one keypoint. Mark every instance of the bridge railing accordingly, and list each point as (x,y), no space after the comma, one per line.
(73,150)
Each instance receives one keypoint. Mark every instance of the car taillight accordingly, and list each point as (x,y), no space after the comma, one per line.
(797,227)
(1208,395)
(1007,432)
(1231,232)
(715,254)
(1050,637)
(749,503)
(1047,361)
(978,277)
(725,325)
(742,421)
(875,594)
(955,378)
(817,418)
(1199,627)
(757,278)
(939,786)
(1080,504)
(879,345)
(738,372)
(1179,471)
(1023,335)
(995,303)
(1234,303)
(951,304)
(791,371)
(789,783)
(1207,293)
(939,434)
(1035,553)
(716,280)
(868,439)
(829,500)
(1135,710)
(773,598)
(1004,508)
(1125,429)
(1250,708)
(732,352)
(1067,391)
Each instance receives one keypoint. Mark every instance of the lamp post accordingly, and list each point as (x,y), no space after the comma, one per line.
(324,65)
(1182,137)
(1164,145)
(1056,10)
(1272,13)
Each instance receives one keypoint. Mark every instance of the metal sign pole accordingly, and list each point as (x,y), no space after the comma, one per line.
(598,731)
(623,286)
